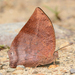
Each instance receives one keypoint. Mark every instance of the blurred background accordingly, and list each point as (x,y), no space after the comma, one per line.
(61,12)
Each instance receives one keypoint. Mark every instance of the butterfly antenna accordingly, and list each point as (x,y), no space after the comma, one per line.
(71,43)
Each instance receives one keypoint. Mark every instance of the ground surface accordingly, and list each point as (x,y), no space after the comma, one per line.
(20,11)
(65,62)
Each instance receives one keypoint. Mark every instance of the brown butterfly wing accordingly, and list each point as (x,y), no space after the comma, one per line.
(35,41)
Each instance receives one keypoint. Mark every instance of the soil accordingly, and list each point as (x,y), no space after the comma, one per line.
(12,11)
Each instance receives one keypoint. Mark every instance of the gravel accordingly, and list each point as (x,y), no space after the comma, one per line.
(72,71)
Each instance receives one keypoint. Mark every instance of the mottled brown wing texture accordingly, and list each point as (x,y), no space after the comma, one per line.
(35,43)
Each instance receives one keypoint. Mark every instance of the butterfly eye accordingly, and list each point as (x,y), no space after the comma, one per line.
(11,53)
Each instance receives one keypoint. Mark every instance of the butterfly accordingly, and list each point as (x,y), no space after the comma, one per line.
(35,43)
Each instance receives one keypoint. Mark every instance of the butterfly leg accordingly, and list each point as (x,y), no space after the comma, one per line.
(54,62)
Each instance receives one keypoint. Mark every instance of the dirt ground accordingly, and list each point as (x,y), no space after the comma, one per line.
(20,10)
(12,11)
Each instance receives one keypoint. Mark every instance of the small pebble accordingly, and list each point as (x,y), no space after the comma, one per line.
(52,66)
(11,69)
(25,69)
(21,66)
(35,72)
(71,66)
(72,71)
